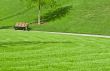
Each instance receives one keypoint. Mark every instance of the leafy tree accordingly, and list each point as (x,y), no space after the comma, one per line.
(39,4)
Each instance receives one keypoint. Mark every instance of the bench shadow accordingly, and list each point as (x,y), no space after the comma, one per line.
(12,27)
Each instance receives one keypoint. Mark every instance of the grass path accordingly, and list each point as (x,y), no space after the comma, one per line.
(90,35)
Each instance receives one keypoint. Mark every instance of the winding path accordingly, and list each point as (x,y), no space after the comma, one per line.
(90,35)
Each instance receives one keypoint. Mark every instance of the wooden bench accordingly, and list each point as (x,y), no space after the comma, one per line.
(21,26)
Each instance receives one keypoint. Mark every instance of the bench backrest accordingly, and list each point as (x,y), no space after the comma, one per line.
(21,24)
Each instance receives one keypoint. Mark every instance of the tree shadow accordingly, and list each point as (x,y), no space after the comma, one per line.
(58,13)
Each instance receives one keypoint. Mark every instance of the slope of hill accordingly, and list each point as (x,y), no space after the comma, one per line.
(84,16)
(12,11)
(32,51)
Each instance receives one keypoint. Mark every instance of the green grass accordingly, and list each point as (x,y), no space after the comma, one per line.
(40,51)
(85,16)
(17,11)
(14,11)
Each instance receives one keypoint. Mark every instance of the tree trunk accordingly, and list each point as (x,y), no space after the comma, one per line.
(39,17)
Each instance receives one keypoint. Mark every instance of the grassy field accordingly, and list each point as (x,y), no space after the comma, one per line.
(78,16)
(40,51)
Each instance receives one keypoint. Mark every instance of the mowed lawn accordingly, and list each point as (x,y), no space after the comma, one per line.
(40,51)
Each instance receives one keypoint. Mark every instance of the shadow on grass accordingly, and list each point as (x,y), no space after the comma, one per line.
(6,44)
(12,27)
(58,13)
(5,27)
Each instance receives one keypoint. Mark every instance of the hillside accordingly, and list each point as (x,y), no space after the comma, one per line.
(82,16)
(14,11)
(52,52)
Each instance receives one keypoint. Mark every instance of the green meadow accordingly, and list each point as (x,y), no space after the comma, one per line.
(36,50)
(32,51)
